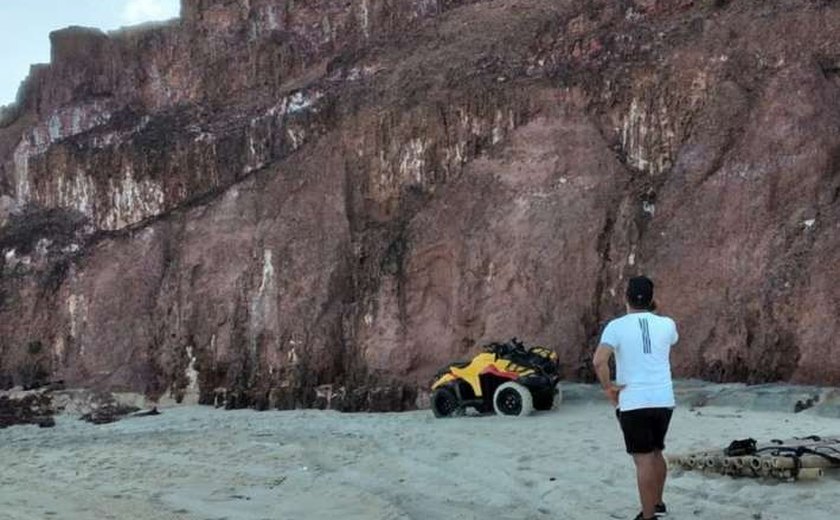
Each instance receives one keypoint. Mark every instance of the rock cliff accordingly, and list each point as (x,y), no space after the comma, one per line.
(317,203)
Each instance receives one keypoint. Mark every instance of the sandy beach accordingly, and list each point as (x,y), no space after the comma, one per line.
(201,463)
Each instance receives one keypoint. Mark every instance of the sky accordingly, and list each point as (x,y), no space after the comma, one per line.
(25,26)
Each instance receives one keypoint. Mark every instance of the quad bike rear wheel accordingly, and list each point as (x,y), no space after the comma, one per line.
(445,403)
(513,399)
(548,399)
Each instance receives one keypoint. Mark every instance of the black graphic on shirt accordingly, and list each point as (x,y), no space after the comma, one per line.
(643,324)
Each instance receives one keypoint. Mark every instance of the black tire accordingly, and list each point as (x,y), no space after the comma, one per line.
(445,403)
(543,400)
(513,399)
(547,399)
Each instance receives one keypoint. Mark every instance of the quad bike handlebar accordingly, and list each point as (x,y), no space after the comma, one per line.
(504,349)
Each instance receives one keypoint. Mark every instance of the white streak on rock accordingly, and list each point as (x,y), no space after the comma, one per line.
(633,133)
(268,271)
(365,18)
(54,127)
(263,308)
(327,29)
(59,349)
(272,18)
(498,128)
(300,101)
(21,161)
(77,307)
(191,374)
(132,201)
(297,137)
(413,160)
(77,192)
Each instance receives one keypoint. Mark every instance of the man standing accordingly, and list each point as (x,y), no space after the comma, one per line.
(643,393)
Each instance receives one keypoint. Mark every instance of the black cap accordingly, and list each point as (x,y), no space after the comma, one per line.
(640,292)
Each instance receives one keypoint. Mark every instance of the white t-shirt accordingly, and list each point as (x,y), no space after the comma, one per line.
(642,344)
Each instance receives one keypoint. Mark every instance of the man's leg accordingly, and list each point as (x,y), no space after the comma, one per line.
(661,474)
(661,419)
(648,480)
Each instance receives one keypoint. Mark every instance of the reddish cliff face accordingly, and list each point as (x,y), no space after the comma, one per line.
(319,203)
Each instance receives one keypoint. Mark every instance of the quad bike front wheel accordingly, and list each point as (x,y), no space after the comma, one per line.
(511,398)
(445,403)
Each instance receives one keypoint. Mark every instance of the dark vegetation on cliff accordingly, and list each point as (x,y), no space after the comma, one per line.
(279,204)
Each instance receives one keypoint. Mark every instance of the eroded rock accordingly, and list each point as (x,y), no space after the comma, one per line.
(376,188)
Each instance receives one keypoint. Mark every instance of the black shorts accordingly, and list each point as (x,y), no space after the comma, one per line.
(644,429)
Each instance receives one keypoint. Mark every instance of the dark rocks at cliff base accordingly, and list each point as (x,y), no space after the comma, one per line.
(110,412)
(22,406)
(29,408)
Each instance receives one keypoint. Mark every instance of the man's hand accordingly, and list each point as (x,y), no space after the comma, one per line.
(601,361)
(611,391)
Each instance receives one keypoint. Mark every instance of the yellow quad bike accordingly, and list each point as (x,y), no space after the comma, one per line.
(506,378)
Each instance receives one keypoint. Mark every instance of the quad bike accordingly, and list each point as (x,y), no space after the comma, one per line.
(506,378)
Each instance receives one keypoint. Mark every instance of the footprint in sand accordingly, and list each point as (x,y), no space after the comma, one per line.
(523,462)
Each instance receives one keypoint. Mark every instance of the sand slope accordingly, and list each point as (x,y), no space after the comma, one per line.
(202,463)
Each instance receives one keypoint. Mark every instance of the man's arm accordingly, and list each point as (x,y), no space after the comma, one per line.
(601,360)
(676,336)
